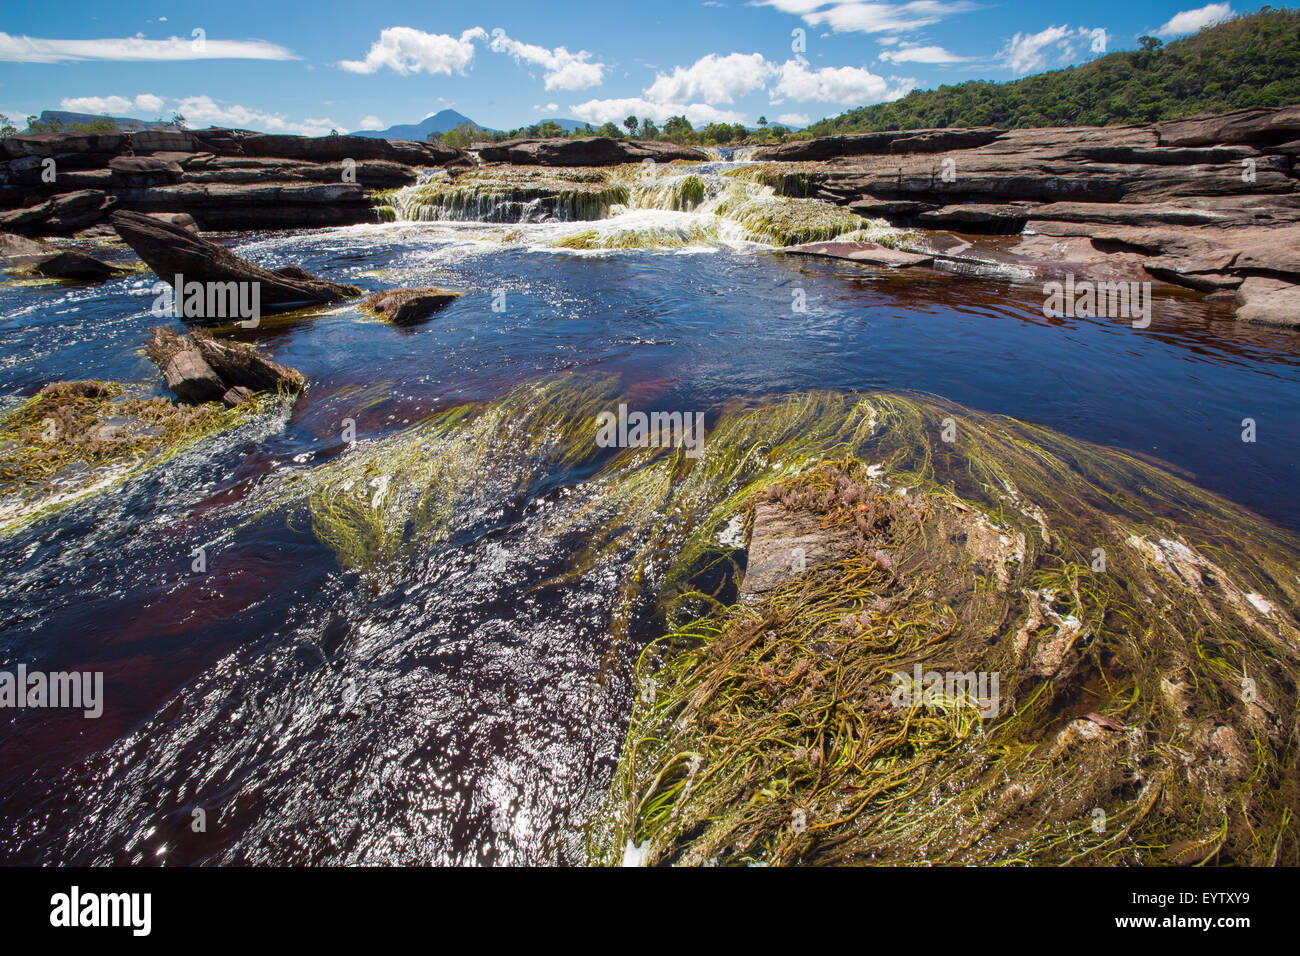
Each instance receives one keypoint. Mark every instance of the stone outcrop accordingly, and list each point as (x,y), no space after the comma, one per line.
(171,250)
(404,306)
(583,151)
(63,183)
(1207,203)
(74,264)
(198,368)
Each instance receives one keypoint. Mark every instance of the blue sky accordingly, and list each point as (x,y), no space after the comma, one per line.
(345,64)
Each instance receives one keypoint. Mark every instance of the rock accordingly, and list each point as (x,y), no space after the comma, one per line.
(11,245)
(584,151)
(275,205)
(191,379)
(868,253)
(1269,302)
(199,369)
(164,140)
(73,264)
(182,220)
(141,171)
(333,149)
(783,543)
(236,396)
(943,140)
(62,215)
(56,144)
(401,306)
(1242,126)
(170,250)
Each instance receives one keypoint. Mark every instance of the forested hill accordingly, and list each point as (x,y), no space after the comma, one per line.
(1248,61)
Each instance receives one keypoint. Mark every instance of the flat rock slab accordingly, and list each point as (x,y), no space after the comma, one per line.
(1269,302)
(402,306)
(783,544)
(867,253)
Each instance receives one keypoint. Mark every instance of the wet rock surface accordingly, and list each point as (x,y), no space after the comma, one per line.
(171,250)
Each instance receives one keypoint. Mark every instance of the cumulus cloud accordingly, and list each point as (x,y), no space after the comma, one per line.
(1027,52)
(25,49)
(563,70)
(718,79)
(915,53)
(843,84)
(614,110)
(406,50)
(371,122)
(794,119)
(142,104)
(1189,21)
(202,111)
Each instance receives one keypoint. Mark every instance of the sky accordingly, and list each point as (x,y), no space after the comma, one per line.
(309,68)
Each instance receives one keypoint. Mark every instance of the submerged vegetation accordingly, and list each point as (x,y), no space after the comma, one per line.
(507,194)
(1144,631)
(72,439)
(1146,702)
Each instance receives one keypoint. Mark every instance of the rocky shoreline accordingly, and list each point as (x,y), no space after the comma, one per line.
(1209,203)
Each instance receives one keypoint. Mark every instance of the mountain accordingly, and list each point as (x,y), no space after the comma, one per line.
(52,118)
(439,122)
(1249,61)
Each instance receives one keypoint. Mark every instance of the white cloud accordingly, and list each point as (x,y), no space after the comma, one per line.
(563,70)
(144,106)
(1189,21)
(405,50)
(202,111)
(843,84)
(205,111)
(371,122)
(614,111)
(870,17)
(794,119)
(914,53)
(25,49)
(718,79)
(1027,52)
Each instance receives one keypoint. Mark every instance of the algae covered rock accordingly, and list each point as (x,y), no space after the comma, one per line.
(404,306)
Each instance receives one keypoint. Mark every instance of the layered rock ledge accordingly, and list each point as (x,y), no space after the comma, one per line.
(1208,203)
(62,183)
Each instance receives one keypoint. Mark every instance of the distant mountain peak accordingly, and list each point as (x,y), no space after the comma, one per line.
(438,122)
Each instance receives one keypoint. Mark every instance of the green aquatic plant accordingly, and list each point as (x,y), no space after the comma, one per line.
(782,221)
(1143,630)
(73,439)
(663,236)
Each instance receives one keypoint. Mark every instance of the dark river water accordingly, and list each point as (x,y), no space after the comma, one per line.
(466,713)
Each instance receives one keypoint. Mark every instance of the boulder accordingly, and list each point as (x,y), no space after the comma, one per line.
(60,215)
(11,245)
(1263,126)
(169,250)
(57,144)
(402,306)
(198,368)
(1266,301)
(74,264)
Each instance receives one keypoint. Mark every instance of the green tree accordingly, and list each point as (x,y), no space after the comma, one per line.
(678,128)
(609,131)
(631,124)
